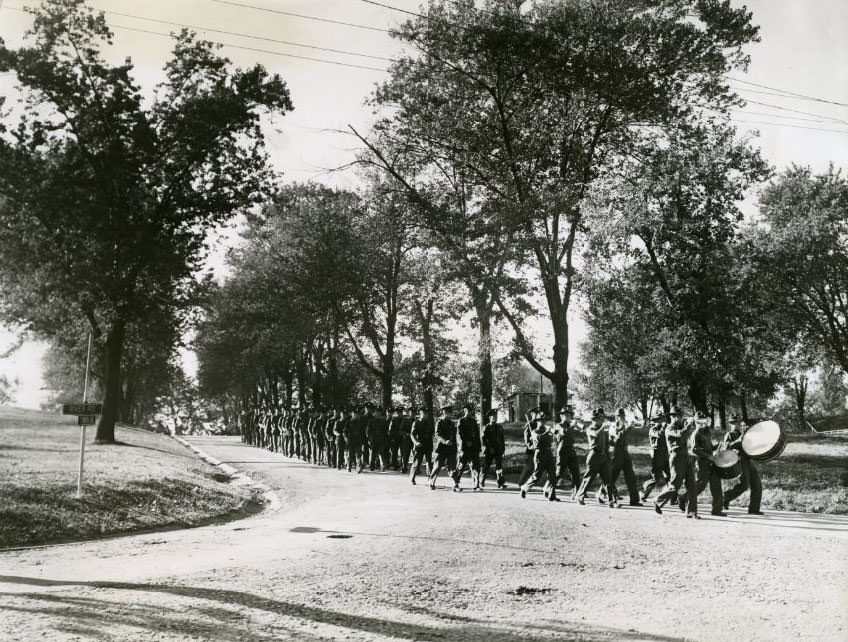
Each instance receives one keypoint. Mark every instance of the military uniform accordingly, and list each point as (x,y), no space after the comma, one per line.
(750,477)
(445,451)
(543,460)
(421,435)
(527,437)
(378,437)
(330,438)
(700,447)
(659,458)
(354,437)
(339,430)
(597,461)
(621,461)
(405,428)
(468,439)
(566,455)
(677,438)
(493,449)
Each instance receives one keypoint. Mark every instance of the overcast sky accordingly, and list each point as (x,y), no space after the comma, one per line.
(803,51)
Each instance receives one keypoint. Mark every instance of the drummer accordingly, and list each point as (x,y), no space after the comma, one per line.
(701,456)
(750,477)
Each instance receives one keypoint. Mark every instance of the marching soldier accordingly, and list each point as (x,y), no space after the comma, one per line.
(700,448)
(405,441)
(378,437)
(621,461)
(339,430)
(493,448)
(527,436)
(659,456)
(395,418)
(750,477)
(445,448)
(565,454)
(597,461)
(421,435)
(677,437)
(543,461)
(354,437)
(468,438)
(330,437)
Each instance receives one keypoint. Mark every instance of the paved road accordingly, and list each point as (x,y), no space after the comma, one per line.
(370,557)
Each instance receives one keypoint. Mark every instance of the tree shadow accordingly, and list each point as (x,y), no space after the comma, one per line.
(227,620)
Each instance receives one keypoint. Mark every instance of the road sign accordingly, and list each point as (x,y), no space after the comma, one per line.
(87,420)
(82,409)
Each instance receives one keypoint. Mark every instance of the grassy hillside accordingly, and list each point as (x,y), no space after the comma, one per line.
(146,481)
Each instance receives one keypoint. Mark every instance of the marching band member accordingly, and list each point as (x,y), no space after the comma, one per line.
(750,477)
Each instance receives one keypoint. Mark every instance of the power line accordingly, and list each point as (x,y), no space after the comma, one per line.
(267,51)
(791,126)
(300,15)
(797,111)
(788,93)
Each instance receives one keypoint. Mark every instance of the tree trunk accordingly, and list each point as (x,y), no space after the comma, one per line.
(722,412)
(112,384)
(483,308)
(743,406)
(698,395)
(799,385)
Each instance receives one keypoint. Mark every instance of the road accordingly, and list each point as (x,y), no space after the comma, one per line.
(371,557)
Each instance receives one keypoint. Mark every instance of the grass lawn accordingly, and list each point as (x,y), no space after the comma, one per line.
(146,481)
(810,476)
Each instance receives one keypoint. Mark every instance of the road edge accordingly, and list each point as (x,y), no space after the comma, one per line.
(269,495)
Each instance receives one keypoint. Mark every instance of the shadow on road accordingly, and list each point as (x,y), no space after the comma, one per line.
(229,617)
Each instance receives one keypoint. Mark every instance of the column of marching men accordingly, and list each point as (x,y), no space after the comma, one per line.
(681,450)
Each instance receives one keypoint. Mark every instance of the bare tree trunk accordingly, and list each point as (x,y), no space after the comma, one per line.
(799,386)
(112,393)
(483,309)
(743,406)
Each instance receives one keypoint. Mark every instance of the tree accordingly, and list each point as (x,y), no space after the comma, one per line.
(107,198)
(532,107)
(800,251)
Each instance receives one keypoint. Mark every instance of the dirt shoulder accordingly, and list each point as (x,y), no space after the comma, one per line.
(145,482)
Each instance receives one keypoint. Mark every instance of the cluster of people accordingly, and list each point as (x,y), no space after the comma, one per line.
(682,451)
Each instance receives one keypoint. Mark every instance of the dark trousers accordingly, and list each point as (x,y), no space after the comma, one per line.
(488,458)
(405,451)
(468,460)
(331,454)
(596,464)
(527,470)
(567,464)
(354,457)
(622,463)
(341,449)
(706,474)
(659,473)
(543,464)
(750,478)
(420,454)
(379,455)
(444,459)
(681,473)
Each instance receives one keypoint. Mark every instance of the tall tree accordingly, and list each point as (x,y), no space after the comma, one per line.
(107,198)
(533,106)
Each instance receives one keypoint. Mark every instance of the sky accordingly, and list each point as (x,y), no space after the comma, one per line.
(802,52)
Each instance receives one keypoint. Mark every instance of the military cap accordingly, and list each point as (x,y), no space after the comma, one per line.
(736,418)
(701,416)
(398,409)
(657,416)
(421,409)
(493,413)
(446,408)
(619,411)
(675,411)
(567,410)
(535,410)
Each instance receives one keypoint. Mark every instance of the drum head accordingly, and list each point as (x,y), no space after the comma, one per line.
(761,437)
(726,458)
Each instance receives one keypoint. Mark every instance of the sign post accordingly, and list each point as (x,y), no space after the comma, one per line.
(83,424)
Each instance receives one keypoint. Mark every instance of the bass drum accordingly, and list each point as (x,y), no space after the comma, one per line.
(727,464)
(764,441)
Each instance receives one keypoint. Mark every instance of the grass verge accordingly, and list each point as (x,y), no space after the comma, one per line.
(147,481)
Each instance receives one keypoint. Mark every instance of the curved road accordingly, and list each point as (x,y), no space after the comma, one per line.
(370,557)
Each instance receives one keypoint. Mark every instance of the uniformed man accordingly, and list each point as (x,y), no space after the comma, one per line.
(543,460)
(378,438)
(354,437)
(701,448)
(330,437)
(421,435)
(659,456)
(750,477)
(597,461)
(405,427)
(445,448)
(527,437)
(339,430)
(621,461)
(677,439)
(565,431)
(493,448)
(319,435)
(468,439)
(395,419)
